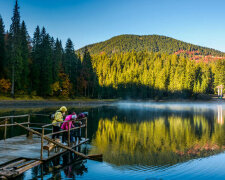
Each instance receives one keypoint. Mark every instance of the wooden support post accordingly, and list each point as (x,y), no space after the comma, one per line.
(28,120)
(5,132)
(86,128)
(29,134)
(42,142)
(68,134)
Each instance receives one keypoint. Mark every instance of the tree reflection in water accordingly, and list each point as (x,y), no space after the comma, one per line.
(166,139)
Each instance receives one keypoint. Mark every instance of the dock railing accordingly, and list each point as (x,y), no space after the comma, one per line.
(44,127)
(6,119)
(84,125)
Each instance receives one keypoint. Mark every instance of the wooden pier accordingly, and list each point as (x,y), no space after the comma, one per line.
(20,153)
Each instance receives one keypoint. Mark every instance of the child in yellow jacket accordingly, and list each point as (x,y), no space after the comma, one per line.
(58,119)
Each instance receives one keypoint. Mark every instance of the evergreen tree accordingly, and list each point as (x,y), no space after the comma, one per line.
(36,60)
(2,47)
(15,60)
(88,75)
(46,79)
(42,63)
(57,60)
(25,55)
(71,64)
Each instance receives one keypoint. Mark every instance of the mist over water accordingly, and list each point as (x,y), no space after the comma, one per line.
(145,140)
(169,105)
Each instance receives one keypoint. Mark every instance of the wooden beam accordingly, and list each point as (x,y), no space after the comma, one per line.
(17,116)
(11,165)
(86,128)
(28,120)
(13,124)
(68,134)
(24,164)
(55,155)
(5,132)
(42,142)
(23,169)
(64,130)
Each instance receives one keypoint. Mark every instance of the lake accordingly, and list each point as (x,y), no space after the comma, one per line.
(141,141)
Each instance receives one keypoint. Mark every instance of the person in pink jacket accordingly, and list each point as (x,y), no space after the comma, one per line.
(66,125)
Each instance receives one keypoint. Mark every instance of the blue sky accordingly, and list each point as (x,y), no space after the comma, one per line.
(200,22)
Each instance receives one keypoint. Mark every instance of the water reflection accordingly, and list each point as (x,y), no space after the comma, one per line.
(160,138)
(66,166)
(150,138)
(220,115)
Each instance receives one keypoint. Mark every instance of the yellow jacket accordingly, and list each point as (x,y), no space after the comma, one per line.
(58,118)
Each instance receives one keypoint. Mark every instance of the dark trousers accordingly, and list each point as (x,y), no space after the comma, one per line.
(77,132)
(65,136)
(56,129)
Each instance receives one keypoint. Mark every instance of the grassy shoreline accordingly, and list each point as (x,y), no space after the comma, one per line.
(38,98)
(30,102)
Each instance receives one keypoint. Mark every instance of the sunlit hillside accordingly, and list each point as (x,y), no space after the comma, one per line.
(152,43)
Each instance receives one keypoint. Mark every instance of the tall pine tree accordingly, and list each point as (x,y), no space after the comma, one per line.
(57,60)
(71,63)
(25,56)
(88,75)
(36,60)
(45,64)
(15,60)
(2,47)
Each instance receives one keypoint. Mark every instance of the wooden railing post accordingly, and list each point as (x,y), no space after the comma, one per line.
(68,134)
(86,128)
(42,142)
(5,132)
(28,120)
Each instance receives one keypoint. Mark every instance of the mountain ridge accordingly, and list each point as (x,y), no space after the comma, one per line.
(154,43)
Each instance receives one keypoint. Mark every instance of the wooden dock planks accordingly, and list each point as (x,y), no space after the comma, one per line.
(22,154)
(17,167)
(23,147)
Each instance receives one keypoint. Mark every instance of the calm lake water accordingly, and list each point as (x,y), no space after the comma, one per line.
(142,141)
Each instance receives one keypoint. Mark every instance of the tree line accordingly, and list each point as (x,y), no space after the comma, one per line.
(156,75)
(40,65)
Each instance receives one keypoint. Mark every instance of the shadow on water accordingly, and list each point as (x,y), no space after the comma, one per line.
(140,137)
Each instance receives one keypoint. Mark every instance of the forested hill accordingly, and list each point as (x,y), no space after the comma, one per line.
(155,43)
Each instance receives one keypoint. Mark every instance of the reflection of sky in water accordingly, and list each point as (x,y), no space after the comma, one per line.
(207,168)
(176,106)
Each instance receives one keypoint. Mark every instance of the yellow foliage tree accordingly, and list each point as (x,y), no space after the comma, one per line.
(5,85)
(65,85)
(55,88)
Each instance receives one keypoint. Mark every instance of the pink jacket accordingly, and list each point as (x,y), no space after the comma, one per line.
(65,123)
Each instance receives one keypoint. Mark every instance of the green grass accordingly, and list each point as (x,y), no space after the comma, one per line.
(38,98)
